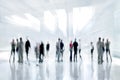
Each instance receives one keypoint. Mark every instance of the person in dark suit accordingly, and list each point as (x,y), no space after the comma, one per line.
(27,47)
(61,49)
(75,46)
(47,47)
(41,49)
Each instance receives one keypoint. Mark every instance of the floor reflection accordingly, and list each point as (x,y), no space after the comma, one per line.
(81,70)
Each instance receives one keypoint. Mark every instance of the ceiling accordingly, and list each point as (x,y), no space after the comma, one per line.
(36,7)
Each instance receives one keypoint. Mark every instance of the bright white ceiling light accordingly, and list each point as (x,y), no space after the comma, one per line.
(62,20)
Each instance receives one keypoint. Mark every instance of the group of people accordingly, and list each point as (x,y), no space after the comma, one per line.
(59,50)
(18,47)
(40,51)
(103,47)
(77,47)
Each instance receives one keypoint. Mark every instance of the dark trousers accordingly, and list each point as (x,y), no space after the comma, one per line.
(75,55)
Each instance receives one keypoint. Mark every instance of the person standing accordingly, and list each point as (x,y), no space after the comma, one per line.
(61,49)
(27,47)
(41,55)
(75,45)
(17,47)
(47,47)
(58,50)
(79,47)
(103,49)
(36,49)
(13,46)
(99,49)
(92,49)
(71,48)
(107,45)
(20,50)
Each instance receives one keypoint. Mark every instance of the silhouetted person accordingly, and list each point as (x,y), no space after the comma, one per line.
(47,47)
(75,45)
(107,45)
(79,47)
(92,49)
(61,49)
(20,51)
(36,49)
(17,46)
(58,50)
(27,47)
(99,49)
(41,55)
(13,46)
(103,49)
(71,48)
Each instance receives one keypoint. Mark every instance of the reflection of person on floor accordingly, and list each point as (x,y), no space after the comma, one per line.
(61,49)
(13,71)
(13,46)
(92,50)
(20,51)
(75,45)
(47,47)
(101,72)
(58,50)
(71,47)
(99,49)
(107,71)
(27,46)
(41,49)
(79,47)
(107,45)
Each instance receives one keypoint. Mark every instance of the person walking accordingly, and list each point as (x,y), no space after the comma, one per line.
(107,45)
(27,47)
(13,46)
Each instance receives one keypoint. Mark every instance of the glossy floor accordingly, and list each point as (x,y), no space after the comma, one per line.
(85,69)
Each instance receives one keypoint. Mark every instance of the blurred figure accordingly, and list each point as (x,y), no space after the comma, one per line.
(99,49)
(36,49)
(107,45)
(79,47)
(92,49)
(13,46)
(103,49)
(47,47)
(75,45)
(17,45)
(61,49)
(20,50)
(58,50)
(27,47)
(41,55)
(71,48)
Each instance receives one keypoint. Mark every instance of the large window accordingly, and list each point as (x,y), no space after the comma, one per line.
(62,20)
(81,17)
(28,21)
(49,20)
